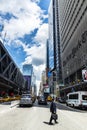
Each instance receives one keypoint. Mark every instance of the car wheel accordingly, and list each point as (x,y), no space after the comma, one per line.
(67,104)
(20,105)
(73,105)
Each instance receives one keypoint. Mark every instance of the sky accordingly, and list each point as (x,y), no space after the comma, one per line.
(24,30)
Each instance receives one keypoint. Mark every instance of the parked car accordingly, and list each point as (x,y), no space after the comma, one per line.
(42,100)
(26,99)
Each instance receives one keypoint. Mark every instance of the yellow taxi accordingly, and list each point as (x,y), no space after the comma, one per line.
(12,98)
(17,97)
(6,99)
(49,98)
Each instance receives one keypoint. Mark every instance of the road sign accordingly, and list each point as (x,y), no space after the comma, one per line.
(49,74)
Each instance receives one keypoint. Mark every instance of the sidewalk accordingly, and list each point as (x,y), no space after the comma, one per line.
(6,106)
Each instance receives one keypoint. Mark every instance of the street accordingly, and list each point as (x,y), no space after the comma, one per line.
(37,118)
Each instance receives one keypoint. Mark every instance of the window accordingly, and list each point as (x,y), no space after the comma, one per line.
(84,97)
(73,96)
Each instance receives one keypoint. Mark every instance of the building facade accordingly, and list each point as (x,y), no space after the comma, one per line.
(73,33)
(27,72)
(11,78)
(58,66)
(54,46)
(27,69)
(51,38)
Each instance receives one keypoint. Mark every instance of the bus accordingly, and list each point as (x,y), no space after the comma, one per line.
(77,99)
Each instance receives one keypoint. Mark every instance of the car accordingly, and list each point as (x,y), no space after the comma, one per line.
(6,99)
(12,98)
(61,100)
(49,98)
(17,97)
(42,100)
(26,99)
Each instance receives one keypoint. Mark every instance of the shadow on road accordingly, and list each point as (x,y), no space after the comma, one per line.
(64,107)
(47,123)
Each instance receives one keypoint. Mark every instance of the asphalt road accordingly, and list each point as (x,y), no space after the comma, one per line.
(37,118)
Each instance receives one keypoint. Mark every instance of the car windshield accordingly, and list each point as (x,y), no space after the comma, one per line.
(26,96)
(42,97)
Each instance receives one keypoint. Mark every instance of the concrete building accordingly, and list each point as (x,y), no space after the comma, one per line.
(73,33)
(11,78)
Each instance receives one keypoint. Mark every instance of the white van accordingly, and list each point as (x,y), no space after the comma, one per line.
(77,99)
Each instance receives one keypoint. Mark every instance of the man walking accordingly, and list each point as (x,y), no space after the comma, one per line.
(53,112)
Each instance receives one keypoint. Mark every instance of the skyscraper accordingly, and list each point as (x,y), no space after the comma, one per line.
(27,69)
(54,48)
(73,30)
(27,72)
(54,41)
(51,38)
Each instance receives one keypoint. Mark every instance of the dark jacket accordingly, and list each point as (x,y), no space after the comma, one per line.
(53,107)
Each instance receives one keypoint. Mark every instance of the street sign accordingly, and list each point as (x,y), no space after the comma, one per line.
(49,74)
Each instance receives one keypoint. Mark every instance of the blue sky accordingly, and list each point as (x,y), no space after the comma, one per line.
(26,28)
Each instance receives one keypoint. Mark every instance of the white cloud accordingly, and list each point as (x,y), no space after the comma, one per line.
(38,53)
(28,17)
(42,34)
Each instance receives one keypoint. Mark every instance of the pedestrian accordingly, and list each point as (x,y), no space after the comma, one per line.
(53,112)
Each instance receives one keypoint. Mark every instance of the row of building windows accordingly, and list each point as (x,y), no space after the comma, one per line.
(69,18)
(84,12)
(67,6)
(72,20)
(73,23)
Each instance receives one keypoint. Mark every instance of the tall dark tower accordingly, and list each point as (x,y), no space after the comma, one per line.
(54,41)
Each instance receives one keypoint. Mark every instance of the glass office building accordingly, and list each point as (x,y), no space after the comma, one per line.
(51,39)
(27,69)
(54,40)
(27,72)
